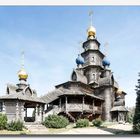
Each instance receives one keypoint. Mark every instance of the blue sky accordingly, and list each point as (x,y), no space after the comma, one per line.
(50,35)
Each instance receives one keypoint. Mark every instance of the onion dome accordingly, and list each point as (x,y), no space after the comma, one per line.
(106,62)
(79,60)
(91,31)
(22,74)
(119,92)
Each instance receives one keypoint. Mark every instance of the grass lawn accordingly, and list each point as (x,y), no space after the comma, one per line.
(6,132)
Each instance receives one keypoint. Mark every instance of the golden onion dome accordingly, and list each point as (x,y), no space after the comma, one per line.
(91,31)
(22,74)
(119,91)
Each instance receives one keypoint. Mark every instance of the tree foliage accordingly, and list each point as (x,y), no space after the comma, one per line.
(136,120)
(130,114)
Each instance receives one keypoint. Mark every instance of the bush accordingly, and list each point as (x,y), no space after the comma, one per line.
(3,121)
(136,128)
(82,123)
(15,126)
(97,122)
(55,121)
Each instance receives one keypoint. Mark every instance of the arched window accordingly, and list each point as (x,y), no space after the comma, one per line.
(94,76)
(74,77)
(7,90)
(92,59)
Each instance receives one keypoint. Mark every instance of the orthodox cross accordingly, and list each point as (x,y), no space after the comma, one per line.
(91,17)
(106,45)
(22,59)
(79,46)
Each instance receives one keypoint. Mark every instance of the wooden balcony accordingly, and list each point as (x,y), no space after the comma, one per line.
(74,107)
(80,108)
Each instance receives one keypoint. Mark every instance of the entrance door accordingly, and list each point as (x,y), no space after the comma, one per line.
(115,116)
(29,115)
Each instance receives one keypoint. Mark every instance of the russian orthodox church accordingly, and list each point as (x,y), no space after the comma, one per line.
(92,92)
(19,98)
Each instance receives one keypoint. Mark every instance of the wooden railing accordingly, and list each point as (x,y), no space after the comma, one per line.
(76,107)
(80,107)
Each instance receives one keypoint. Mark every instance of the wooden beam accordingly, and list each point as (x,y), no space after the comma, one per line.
(93,107)
(83,102)
(60,103)
(17,110)
(66,102)
(3,107)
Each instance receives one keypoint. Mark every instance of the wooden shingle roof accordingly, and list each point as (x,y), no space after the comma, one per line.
(51,96)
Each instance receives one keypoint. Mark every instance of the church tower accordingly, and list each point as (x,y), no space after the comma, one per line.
(91,92)
(93,57)
(95,68)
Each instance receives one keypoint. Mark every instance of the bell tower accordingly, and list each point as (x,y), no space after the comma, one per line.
(92,55)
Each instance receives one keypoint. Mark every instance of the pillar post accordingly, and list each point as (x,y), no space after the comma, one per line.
(3,107)
(83,102)
(117,116)
(43,115)
(17,110)
(36,113)
(26,112)
(40,113)
(66,101)
(22,112)
(60,104)
(93,111)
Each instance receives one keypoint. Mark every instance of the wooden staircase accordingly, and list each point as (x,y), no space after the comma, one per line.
(70,117)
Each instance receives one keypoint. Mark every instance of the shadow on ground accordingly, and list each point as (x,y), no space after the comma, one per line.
(116,131)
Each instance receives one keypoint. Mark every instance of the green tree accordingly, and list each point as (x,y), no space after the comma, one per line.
(136,120)
(130,114)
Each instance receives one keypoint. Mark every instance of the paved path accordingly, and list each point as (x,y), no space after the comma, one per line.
(110,130)
(83,131)
(36,129)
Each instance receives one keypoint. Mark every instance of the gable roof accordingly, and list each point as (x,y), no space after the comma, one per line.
(21,96)
(119,108)
(51,96)
(13,93)
(79,76)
